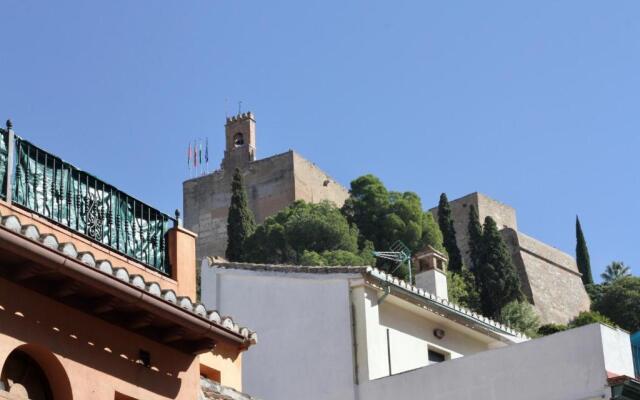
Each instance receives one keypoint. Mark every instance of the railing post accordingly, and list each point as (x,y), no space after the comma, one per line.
(10,152)
(176,222)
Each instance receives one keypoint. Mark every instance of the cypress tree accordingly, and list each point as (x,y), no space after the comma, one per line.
(240,222)
(497,276)
(475,237)
(582,255)
(449,234)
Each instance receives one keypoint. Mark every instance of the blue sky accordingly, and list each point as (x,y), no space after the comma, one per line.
(533,103)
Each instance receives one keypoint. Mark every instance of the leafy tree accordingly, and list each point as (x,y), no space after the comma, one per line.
(475,237)
(311,258)
(342,257)
(404,220)
(240,222)
(367,207)
(303,227)
(594,291)
(590,317)
(498,279)
(431,234)
(462,289)
(582,255)
(550,329)
(383,217)
(449,234)
(620,302)
(521,316)
(615,271)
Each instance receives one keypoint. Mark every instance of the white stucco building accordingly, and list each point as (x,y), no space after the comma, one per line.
(340,333)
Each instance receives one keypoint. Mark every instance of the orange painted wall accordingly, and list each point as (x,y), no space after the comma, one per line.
(42,314)
(182,255)
(98,357)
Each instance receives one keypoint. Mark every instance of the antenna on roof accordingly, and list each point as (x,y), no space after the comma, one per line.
(399,254)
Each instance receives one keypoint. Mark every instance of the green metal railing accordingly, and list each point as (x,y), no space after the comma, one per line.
(47,185)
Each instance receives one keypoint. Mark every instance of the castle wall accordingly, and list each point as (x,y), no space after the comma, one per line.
(314,185)
(556,288)
(504,215)
(270,187)
(549,277)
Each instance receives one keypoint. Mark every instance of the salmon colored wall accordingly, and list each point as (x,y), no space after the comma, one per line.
(182,255)
(227,360)
(97,357)
(83,244)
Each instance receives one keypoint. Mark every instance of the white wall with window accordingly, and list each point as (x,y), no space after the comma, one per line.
(394,335)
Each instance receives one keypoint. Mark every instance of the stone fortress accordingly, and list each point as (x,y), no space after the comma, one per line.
(272,184)
(549,277)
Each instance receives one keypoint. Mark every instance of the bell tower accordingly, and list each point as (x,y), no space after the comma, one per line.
(240,134)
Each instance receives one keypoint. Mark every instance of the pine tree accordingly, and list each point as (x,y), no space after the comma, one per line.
(240,223)
(498,279)
(449,234)
(582,255)
(475,237)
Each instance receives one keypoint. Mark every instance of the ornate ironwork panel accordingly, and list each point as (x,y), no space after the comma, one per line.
(71,197)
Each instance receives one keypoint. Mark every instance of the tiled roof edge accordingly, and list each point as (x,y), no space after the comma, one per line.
(381,275)
(318,269)
(12,223)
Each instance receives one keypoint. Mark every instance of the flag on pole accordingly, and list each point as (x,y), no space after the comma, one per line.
(200,154)
(195,159)
(206,155)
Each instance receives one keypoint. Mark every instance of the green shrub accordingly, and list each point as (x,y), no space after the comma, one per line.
(590,317)
(521,316)
(550,329)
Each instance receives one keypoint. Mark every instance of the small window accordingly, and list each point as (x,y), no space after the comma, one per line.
(436,357)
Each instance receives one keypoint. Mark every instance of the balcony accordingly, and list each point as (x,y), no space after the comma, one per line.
(40,182)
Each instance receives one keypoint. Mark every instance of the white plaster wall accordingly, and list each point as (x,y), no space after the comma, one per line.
(618,356)
(433,281)
(304,348)
(566,366)
(410,337)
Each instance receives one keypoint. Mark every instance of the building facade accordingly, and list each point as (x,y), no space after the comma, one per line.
(339,333)
(549,277)
(97,293)
(272,184)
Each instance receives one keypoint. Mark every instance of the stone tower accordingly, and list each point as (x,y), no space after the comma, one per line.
(549,278)
(272,184)
(240,139)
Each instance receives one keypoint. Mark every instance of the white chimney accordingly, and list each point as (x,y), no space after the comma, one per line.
(431,273)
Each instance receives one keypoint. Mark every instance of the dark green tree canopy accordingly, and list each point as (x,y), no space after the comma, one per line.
(498,278)
(445,222)
(383,216)
(475,237)
(620,302)
(240,221)
(306,233)
(431,233)
(582,255)
(367,208)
